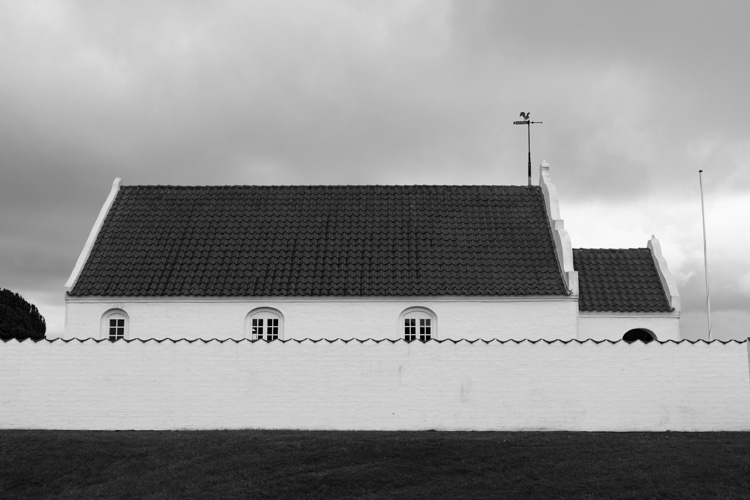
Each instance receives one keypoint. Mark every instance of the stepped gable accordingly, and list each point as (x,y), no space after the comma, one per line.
(236,241)
(619,280)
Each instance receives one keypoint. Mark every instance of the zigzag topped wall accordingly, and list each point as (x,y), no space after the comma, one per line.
(377,341)
(376,384)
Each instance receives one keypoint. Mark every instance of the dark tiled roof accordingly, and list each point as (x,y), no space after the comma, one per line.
(619,281)
(323,241)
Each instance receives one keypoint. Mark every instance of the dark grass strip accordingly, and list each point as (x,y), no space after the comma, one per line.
(373,465)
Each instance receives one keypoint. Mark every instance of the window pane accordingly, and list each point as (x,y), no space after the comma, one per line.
(410,329)
(425,329)
(116,328)
(425,333)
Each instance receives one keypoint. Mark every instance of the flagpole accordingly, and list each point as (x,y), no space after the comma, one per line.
(705,255)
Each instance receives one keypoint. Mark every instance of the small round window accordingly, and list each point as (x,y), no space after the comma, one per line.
(641,334)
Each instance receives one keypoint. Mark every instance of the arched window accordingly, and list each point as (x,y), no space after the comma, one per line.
(418,323)
(264,324)
(641,334)
(115,325)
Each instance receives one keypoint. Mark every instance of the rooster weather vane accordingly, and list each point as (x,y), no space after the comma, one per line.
(527,121)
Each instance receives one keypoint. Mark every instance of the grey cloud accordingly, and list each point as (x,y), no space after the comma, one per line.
(687,57)
(635,98)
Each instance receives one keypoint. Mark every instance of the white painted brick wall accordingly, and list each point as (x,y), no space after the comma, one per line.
(601,326)
(330,318)
(323,385)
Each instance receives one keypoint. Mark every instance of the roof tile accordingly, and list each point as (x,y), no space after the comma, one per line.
(323,241)
(618,280)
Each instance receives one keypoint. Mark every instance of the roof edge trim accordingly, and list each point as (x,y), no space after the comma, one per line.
(83,257)
(628,314)
(563,246)
(308,299)
(667,280)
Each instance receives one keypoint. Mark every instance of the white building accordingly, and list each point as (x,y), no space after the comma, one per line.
(380,262)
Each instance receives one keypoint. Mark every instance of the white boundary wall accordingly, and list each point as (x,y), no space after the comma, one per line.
(375,385)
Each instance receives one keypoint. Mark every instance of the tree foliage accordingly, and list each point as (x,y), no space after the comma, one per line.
(19,319)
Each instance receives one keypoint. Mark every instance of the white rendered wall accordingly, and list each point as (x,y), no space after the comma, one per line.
(612,326)
(470,318)
(378,386)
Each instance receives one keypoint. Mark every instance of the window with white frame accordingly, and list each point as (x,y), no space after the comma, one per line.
(264,324)
(115,325)
(418,323)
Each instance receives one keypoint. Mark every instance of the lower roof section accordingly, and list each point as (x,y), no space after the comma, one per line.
(619,280)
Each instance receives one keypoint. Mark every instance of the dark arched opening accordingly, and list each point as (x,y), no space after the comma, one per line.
(638,334)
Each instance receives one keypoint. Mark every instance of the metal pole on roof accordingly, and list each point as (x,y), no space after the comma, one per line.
(528,133)
(527,121)
(705,255)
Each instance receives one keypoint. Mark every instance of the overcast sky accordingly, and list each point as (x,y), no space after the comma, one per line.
(635,97)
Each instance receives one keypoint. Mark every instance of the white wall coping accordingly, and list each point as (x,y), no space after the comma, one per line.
(83,257)
(370,340)
(563,246)
(667,280)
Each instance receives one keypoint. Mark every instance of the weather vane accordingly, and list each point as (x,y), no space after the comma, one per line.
(526,121)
